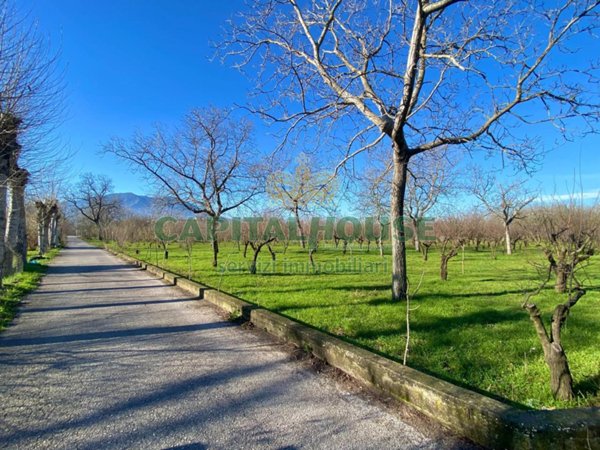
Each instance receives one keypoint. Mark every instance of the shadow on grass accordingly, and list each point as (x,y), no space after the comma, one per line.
(588,387)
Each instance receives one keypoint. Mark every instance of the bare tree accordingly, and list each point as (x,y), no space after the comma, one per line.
(30,102)
(574,236)
(91,197)
(450,235)
(207,165)
(423,74)
(568,236)
(504,201)
(47,215)
(301,191)
(429,179)
(373,193)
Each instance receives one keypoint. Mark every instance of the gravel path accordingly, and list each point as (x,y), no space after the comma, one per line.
(104,355)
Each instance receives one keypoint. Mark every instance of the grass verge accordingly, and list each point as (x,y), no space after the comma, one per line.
(19,285)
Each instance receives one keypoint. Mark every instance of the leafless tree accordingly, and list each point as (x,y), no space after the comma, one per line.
(301,191)
(423,74)
(572,235)
(568,236)
(430,178)
(373,195)
(505,201)
(48,215)
(208,165)
(91,197)
(450,235)
(30,103)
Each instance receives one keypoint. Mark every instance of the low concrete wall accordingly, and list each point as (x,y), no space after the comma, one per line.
(482,419)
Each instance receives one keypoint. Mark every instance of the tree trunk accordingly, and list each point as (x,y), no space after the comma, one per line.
(415,226)
(16,231)
(3,182)
(55,230)
(46,232)
(254,259)
(21,244)
(273,256)
(444,268)
(507,239)
(300,229)
(312,259)
(380,237)
(42,212)
(561,381)
(562,276)
(399,282)
(215,242)
(425,252)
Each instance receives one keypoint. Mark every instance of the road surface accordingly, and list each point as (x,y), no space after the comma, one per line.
(104,355)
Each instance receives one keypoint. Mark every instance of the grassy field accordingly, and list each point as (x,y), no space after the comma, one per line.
(18,285)
(469,330)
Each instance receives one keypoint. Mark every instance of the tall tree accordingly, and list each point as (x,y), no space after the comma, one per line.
(422,74)
(91,197)
(207,164)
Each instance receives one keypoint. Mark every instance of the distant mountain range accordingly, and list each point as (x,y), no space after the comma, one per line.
(144,205)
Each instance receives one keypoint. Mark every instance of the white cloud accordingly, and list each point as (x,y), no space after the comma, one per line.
(590,195)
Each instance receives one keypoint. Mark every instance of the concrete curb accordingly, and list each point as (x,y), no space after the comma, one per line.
(482,419)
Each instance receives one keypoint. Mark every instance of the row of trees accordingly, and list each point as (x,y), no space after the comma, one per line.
(29,102)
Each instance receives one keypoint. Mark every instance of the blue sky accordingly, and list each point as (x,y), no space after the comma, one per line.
(131,63)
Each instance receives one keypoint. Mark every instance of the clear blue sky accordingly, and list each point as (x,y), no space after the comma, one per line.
(130,63)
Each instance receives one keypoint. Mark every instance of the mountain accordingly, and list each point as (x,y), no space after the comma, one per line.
(147,206)
(140,205)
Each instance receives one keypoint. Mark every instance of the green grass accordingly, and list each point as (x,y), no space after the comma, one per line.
(17,286)
(469,330)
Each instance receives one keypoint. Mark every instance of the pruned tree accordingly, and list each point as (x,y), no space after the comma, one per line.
(425,75)
(450,236)
(47,212)
(301,191)
(208,164)
(573,234)
(568,236)
(91,196)
(30,101)
(504,200)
